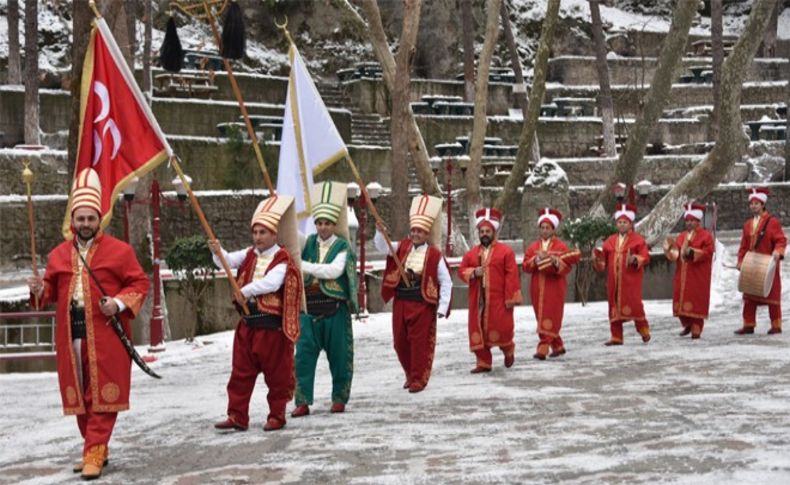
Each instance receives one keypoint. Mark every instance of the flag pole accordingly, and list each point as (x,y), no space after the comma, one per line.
(27,178)
(212,21)
(210,234)
(376,216)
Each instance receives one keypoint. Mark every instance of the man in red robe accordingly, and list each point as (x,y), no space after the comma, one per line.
(94,370)
(763,234)
(491,272)
(693,251)
(625,255)
(425,297)
(271,287)
(549,260)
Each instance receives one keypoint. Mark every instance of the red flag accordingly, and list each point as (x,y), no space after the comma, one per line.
(119,137)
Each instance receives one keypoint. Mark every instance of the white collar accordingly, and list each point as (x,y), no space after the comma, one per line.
(326,242)
(86,245)
(268,252)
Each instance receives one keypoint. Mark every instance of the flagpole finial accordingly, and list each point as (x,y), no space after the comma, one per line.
(96,12)
(284,28)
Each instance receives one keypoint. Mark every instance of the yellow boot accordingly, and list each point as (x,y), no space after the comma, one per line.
(80,464)
(93,462)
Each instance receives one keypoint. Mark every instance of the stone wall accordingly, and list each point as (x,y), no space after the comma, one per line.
(635,71)
(175,116)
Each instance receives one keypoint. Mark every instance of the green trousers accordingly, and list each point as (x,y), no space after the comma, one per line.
(333,335)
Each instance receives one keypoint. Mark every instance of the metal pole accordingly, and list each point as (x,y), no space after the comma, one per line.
(448,247)
(363,220)
(156,340)
(126,204)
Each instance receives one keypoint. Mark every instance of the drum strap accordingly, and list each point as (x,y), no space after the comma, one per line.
(762,232)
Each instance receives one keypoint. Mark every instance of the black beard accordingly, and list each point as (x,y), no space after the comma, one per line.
(485,241)
(86,239)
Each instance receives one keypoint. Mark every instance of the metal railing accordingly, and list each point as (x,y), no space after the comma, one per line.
(27,340)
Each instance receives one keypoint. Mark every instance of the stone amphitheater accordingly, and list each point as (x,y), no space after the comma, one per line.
(202,131)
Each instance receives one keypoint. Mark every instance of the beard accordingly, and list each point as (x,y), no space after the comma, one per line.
(86,233)
(485,240)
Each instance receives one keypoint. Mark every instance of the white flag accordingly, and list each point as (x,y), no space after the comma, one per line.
(310,142)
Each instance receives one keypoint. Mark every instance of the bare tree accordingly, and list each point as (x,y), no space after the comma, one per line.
(732,141)
(516,177)
(768,48)
(717,48)
(81,25)
(31,74)
(148,20)
(401,97)
(14,70)
(787,127)
(605,94)
(656,98)
(481,105)
(468,40)
(520,87)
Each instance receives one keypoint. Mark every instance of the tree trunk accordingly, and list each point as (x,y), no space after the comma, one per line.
(787,127)
(732,142)
(14,70)
(716,32)
(605,95)
(516,177)
(769,39)
(148,19)
(401,97)
(656,98)
(81,25)
(481,105)
(31,73)
(468,40)
(520,87)
(378,39)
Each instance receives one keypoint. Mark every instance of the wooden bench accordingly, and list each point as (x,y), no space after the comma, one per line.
(421,108)
(756,127)
(772,132)
(450,149)
(201,60)
(549,110)
(260,119)
(453,109)
(185,85)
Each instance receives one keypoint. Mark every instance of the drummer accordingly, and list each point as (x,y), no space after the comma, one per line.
(762,233)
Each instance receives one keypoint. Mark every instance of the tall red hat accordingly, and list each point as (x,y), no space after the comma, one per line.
(491,217)
(694,212)
(758,193)
(625,210)
(550,215)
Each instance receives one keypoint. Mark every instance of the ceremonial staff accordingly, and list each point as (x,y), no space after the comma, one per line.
(206,10)
(27,178)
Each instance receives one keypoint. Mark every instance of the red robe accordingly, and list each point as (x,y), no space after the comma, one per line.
(691,287)
(109,366)
(623,282)
(502,292)
(548,284)
(773,240)
(429,284)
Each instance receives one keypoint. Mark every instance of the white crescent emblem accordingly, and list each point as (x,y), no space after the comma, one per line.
(116,137)
(104,96)
(97,147)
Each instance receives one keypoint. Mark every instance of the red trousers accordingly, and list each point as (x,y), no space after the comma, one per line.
(414,338)
(256,351)
(95,428)
(616,328)
(695,324)
(485,359)
(549,341)
(750,314)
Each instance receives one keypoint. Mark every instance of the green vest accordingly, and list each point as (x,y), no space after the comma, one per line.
(342,288)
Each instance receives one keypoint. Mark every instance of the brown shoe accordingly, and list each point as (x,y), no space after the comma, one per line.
(744,331)
(510,360)
(557,353)
(480,370)
(774,331)
(94,462)
(80,464)
(646,338)
(613,342)
(273,424)
(695,336)
(686,331)
(301,410)
(539,356)
(337,407)
(415,387)
(229,424)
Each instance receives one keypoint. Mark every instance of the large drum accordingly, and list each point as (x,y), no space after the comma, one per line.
(757,274)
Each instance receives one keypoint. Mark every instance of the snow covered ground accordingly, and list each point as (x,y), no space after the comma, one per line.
(674,411)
